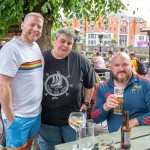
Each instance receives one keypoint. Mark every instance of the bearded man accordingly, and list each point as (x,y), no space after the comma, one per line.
(136,96)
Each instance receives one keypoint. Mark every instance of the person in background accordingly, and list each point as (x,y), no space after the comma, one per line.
(136,96)
(123,50)
(109,56)
(66,74)
(92,57)
(21,84)
(134,61)
(83,53)
(2,44)
(99,63)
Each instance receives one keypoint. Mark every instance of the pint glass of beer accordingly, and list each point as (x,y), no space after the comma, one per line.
(118,92)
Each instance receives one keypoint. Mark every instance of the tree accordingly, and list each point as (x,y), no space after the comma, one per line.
(13,11)
(114,42)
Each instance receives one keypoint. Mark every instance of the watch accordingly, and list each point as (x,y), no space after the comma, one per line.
(86,103)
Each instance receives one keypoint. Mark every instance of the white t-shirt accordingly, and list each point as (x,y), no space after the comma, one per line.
(24,63)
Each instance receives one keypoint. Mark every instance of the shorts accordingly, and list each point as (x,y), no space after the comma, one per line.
(20,131)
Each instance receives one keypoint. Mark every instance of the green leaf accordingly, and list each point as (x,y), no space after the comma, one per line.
(44,9)
(14,10)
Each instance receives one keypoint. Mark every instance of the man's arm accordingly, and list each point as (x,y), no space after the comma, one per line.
(6,98)
(133,122)
(88,93)
(145,118)
(98,113)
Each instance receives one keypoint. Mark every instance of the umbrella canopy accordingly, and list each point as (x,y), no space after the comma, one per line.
(148,33)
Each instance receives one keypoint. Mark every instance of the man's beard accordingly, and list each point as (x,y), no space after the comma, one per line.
(125,79)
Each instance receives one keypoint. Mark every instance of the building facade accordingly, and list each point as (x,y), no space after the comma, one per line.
(121,30)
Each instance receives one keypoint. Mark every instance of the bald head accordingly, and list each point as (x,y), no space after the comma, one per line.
(121,55)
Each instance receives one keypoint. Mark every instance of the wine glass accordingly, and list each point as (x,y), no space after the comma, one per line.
(77,121)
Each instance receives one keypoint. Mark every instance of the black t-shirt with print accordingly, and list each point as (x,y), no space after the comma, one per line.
(63,83)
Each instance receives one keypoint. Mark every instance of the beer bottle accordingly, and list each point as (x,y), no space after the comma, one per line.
(126,132)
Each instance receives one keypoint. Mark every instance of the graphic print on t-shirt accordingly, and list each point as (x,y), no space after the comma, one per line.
(57,85)
(31,65)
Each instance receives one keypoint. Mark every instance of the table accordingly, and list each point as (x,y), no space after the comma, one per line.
(140,139)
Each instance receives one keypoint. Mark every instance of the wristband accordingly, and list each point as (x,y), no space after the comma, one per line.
(86,103)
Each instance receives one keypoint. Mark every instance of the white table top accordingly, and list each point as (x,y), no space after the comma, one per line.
(140,140)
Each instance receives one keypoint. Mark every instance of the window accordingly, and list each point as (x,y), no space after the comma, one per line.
(92,27)
(105,36)
(110,28)
(106,27)
(81,22)
(123,40)
(141,38)
(92,36)
(141,24)
(124,23)
(80,29)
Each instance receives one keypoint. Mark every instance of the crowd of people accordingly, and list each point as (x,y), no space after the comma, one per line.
(38,90)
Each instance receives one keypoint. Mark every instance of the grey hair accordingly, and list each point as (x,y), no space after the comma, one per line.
(34,14)
(67,31)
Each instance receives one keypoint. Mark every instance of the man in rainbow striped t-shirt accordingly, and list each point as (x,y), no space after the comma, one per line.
(21,84)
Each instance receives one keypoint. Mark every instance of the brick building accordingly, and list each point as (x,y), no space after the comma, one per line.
(121,30)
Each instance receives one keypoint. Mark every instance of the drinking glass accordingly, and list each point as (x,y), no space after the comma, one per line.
(87,139)
(106,141)
(118,92)
(77,121)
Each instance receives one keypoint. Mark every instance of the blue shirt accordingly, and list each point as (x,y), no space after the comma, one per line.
(136,100)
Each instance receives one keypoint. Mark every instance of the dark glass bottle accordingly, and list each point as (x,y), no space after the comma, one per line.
(126,132)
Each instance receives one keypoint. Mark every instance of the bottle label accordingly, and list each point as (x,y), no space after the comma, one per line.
(127,138)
